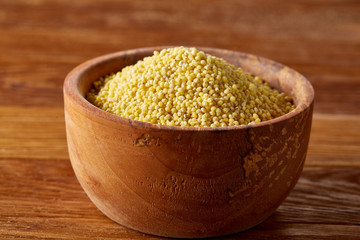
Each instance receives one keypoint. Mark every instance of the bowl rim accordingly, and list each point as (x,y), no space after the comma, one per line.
(71,90)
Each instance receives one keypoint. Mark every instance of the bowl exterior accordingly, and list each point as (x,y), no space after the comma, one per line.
(185,183)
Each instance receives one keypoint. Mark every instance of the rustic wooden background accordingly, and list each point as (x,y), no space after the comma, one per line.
(42,40)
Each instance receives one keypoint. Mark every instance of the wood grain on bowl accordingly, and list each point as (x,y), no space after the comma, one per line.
(186,182)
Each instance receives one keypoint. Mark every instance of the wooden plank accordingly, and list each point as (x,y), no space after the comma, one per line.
(32,132)
(335,83)
(330,61)
(39,133)
(42,199)
(334,140)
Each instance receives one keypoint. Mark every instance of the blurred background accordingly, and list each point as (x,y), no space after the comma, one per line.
(42,40)
(47,38)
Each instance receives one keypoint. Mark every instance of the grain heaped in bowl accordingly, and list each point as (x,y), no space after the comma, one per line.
(186,182)
(187,87)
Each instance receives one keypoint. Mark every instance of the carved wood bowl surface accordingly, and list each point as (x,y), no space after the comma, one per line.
(186,181)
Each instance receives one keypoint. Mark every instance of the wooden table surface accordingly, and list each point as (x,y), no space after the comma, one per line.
(42,40)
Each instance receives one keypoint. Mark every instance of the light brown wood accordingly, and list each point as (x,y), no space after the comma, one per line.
(186,182)
(323,205)
(33,133)
(326,196)
(42,40)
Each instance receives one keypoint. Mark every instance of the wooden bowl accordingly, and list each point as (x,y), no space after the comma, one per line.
(186,181)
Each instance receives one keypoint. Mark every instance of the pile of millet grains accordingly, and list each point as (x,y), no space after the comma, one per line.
(187,87)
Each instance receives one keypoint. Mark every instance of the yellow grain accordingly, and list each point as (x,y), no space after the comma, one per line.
(186,87)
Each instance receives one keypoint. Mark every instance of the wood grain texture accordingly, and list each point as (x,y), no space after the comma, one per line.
(42,40)
(47,202)
(181,182)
